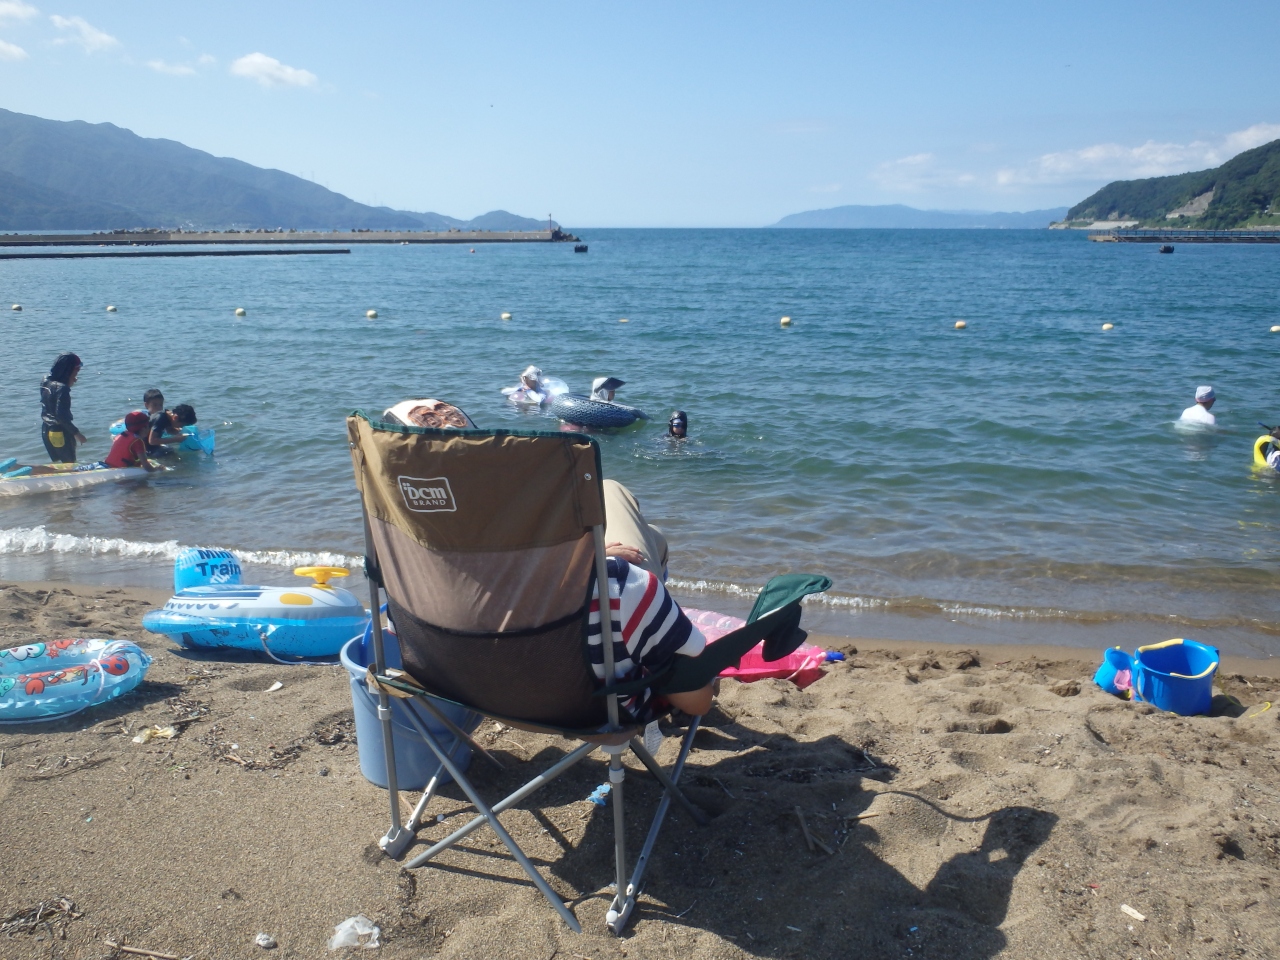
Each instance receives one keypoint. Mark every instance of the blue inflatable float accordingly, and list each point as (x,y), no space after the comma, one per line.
(48,680)
(588,412)
(196,439)
(212,609)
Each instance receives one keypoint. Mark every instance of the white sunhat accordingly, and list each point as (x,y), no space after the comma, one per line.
(1204,394)
(532,371)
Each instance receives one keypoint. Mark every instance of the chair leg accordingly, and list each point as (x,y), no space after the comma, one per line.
(506,803)
(663,806)
(492,819)
(457,731)
(415,821)
(668,784)
(623,899)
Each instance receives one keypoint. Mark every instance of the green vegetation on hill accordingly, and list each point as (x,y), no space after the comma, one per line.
(58,175)
(1246,192)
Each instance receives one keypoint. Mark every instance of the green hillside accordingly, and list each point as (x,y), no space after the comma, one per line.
(1246,192)
(57,175)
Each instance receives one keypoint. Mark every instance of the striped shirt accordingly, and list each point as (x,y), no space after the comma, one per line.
(649,628)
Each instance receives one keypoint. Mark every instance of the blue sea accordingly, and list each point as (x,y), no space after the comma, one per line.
(1021,480)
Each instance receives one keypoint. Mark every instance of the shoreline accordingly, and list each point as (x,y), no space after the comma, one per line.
(992,651)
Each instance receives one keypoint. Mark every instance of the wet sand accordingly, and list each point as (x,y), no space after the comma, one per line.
(979,802)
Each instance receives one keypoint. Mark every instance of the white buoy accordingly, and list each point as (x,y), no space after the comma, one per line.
(371,314)
(623,320)
(785,322)
(505,316)
(960,325)
(1108,326)
(111,309)
(240,311)
(17,306)
(1275,329)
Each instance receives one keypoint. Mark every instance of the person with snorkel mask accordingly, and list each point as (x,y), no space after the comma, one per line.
(678,425)
(57,429)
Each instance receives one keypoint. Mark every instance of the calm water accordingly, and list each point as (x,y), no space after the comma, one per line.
(1018,480)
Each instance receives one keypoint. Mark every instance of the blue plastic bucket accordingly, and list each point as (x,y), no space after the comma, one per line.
(1116,666)
(1177,676)
(416,764)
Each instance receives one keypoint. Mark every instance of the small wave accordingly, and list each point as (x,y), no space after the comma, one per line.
(926,606)
(38,540)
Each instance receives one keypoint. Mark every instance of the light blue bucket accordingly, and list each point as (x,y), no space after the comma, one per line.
(416,764)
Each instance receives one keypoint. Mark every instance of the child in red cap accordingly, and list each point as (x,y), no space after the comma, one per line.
(129,449)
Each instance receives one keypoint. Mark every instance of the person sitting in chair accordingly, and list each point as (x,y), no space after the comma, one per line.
(649,628)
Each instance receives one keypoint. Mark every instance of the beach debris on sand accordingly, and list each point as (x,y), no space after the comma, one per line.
(139,952)
(350,931)
(1129,911)
(51,915)
(266,941)
(147,734)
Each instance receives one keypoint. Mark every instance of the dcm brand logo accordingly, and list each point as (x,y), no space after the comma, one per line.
(427,495)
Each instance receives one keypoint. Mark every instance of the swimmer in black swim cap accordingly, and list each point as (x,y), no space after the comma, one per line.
(678,425)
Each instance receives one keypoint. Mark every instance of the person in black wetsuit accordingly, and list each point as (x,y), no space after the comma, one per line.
(56,427)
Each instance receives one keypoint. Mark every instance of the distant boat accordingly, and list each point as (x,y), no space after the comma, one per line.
(1166,248)
(580,248)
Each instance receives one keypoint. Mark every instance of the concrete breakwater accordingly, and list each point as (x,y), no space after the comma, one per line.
(1187,236)
(141,238)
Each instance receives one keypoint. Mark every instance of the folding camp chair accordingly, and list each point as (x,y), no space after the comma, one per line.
(486,543)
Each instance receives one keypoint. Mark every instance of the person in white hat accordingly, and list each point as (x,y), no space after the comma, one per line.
(1199,411)
(602,388)
(530,389)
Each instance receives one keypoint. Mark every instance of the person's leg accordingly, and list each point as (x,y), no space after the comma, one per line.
(64,452)
(624,523)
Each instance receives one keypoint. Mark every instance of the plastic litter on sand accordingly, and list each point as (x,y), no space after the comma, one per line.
(357,931)
(266,941)
(600,795)
(1126,909)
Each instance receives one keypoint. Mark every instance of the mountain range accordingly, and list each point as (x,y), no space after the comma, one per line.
(1244,191)
(897,216)
(68,175)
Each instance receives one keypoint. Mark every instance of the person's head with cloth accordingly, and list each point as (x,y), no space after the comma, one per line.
(1198,414)
(65,369)
(678,425)
(532,377)
(57,429)
(602,388)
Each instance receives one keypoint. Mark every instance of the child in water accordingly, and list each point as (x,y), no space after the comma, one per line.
(56,427)
(164,427)
(129,449)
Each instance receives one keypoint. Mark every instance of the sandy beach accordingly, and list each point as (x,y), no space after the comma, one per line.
(978,802)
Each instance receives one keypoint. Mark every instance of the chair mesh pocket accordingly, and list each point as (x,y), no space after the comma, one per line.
(539,675)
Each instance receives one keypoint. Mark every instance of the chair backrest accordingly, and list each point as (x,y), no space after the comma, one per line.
(483,540)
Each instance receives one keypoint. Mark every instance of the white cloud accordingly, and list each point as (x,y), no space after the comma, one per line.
(16,10)
(205,60)
(11,51)
(173,69)
(1114,161)
(83,33)
(920,171)
(270,72)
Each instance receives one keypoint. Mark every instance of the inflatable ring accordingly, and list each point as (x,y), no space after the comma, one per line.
(586,412)
(1260,449)
(44,681)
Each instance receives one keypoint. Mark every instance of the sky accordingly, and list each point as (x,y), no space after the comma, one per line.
(667,114)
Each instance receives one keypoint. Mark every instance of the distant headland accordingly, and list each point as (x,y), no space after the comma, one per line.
(72,175)
(898,217)
(1243,193)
